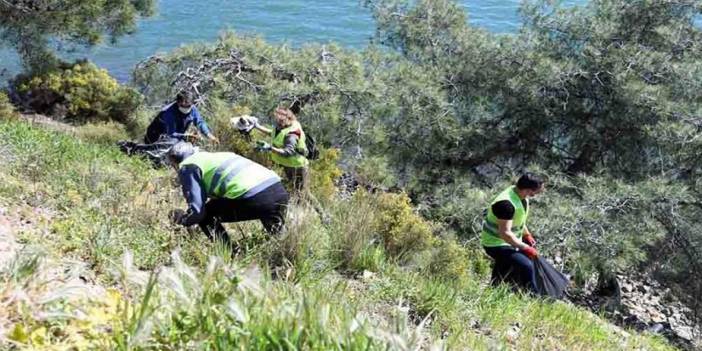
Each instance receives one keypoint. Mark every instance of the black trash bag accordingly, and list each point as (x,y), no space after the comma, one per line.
(155,152)
(549,281)
(312,149)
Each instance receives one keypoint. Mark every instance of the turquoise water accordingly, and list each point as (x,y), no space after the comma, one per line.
(293,21)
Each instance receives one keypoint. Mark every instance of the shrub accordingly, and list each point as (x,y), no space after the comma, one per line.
(449,261)
(324,172)
(401,229)
(80,93)
(302,248)
(590,222)
(7,111)
(371,227)
(460,206)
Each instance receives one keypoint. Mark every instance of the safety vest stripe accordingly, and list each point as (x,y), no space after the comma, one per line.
(222,189)
(261,187)
(221,171)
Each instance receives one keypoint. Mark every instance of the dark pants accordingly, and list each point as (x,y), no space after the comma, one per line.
(513,267)
(298,180)
(268,206)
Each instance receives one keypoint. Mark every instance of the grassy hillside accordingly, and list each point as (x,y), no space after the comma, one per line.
(101,268)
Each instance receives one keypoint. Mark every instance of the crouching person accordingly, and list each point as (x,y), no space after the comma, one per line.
(505,236)
(224,187)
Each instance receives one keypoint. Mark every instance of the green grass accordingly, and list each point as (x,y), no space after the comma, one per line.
(169,288)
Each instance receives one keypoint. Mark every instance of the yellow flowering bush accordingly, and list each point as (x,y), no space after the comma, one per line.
(450,260)
(325,171)
(401,228)
(88,325)
(82,92)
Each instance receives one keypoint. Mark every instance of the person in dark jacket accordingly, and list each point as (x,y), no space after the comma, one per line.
(224,187)
(174,120)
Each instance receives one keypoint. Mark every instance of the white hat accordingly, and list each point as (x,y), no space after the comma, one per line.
(244,123)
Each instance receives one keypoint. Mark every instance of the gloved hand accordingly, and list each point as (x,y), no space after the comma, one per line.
(252,120)
(529,240)
(530,252)
(263,146)
(176,215)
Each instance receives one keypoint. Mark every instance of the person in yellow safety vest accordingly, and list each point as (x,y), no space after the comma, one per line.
(505,236)
(236,189)
(288,149)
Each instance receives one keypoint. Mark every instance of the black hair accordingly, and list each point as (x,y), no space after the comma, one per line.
(296,103)
(185,96)
(530,181)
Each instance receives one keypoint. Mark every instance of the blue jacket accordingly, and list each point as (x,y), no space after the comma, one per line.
(173,123)
(191,180)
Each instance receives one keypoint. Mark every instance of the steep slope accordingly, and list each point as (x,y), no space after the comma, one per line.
(149,285)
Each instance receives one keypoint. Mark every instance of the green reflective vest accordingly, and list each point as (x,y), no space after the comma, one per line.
(295,161)
(490,236)
(228,175)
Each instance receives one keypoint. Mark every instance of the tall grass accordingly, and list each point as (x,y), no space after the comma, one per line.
(225,307)
(353,284)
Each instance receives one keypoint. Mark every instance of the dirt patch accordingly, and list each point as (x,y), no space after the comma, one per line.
(48,123)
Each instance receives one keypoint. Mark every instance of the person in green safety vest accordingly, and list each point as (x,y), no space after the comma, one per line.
(236,189)
(288,149)
(506,237)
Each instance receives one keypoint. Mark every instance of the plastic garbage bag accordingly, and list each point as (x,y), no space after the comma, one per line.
(155,152)
(549,281)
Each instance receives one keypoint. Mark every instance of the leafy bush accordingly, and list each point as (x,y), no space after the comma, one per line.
(590,222)
(7,111)
(370,227)
(324,173)
(302,250)
(450,261)
(80,93)
(400,228)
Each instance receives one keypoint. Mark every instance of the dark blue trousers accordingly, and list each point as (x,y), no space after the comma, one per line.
(512,266)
